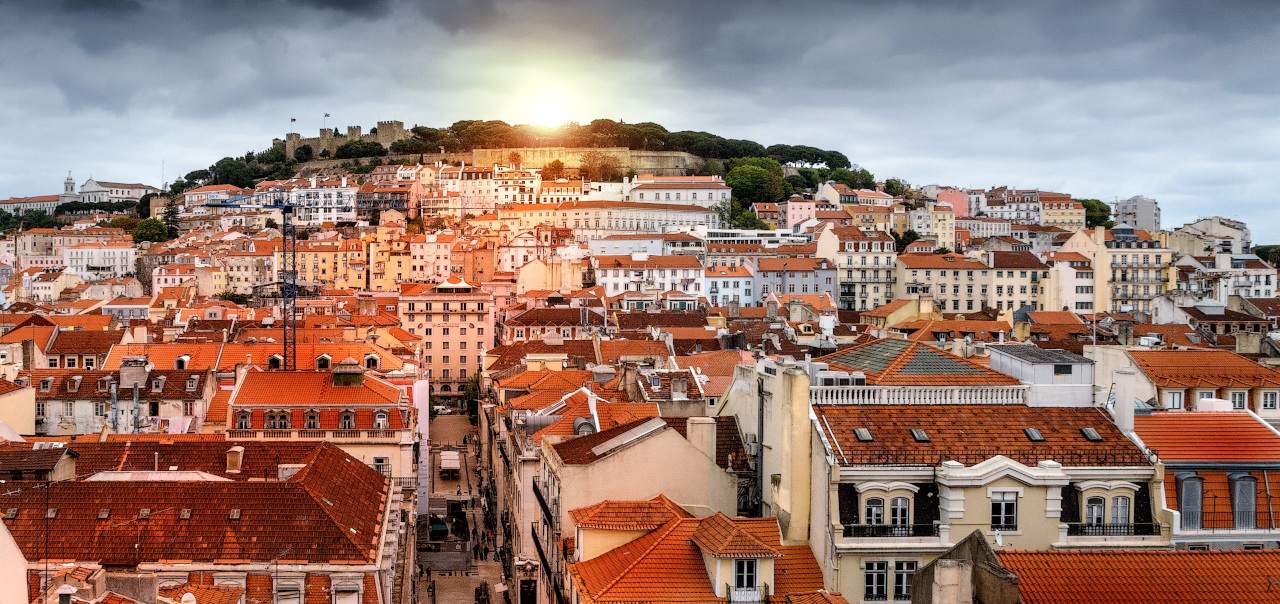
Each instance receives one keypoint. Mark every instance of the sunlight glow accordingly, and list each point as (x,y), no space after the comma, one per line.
(542,105)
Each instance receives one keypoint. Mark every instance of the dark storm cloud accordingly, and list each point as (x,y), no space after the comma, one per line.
(1106,98)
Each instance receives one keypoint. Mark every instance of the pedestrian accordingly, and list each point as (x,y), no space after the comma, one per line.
(459,490)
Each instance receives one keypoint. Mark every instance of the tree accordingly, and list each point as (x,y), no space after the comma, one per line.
(752,185)
(271,223)
(896,187)
(1096,214)
(171,217)
(150,229)
(553,170)
(855,178)
(302,154)
(233,297)
(711,167)
(942,250)
(231,171)
(514,159)
(600,167)
(324,154)
(901,241)
(471,397)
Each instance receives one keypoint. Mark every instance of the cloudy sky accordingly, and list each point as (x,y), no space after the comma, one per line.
(1175,100)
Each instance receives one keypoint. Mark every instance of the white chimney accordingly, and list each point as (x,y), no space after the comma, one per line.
(1122,412)
(235,457)
(701,432)
(1217,405)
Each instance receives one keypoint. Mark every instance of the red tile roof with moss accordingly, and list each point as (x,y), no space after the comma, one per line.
(895,362)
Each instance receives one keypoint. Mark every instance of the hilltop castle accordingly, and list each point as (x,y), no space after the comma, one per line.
(385,133)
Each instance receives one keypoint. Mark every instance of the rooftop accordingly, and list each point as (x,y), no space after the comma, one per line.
(894,362)
(1180,436)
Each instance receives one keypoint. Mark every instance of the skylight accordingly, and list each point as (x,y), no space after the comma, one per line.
(920,435)
(1091,434)
(863,434)
(1033,435)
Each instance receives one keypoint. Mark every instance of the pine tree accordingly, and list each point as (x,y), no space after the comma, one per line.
(171,218)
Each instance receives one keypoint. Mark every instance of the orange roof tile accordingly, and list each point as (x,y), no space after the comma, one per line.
(720,537)
(1144,577)
(628,515)
(1208,436)
(1203,369)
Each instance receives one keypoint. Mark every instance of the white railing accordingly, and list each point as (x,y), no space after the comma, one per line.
(918,395)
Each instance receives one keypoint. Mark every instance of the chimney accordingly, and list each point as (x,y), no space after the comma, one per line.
(701,432)
(235,457)
(733,309)
(1122,412)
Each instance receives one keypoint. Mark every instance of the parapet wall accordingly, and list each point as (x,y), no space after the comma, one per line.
(663,163)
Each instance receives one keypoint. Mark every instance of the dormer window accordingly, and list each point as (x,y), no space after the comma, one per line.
(371,361)
(157,385)
(192,383)
(46,384)
(744,574)
(323,362)
(655,381)
(275,362)
(181,362)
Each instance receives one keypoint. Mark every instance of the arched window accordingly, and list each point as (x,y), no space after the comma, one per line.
(348,421)
(1190,500)
(1093,509)
(875,511)
(243,421)
(446,388)
(1244,500)
(1120,510)
(313,420)
(380,420)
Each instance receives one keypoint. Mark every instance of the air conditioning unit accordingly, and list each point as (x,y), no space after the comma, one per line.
(752,444)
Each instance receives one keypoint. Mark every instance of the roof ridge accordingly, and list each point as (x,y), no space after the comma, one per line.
(306,486)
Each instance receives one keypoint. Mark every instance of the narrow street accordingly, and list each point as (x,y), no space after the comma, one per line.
(458,564)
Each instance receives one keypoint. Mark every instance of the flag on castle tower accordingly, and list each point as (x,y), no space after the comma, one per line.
(326,115)
(292,120)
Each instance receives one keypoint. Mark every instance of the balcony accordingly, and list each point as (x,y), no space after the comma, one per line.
(924,395)
(1227,521)
(334,436)
(890,530)
(1126,529)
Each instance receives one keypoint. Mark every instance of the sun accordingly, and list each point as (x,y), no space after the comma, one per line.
(542,106)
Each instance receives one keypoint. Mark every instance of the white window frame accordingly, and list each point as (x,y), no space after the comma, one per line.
(1173,399)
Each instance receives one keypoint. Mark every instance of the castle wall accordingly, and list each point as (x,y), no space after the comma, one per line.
(661,163)
(388,132)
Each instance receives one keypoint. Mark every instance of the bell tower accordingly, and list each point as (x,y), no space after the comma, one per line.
(68,185)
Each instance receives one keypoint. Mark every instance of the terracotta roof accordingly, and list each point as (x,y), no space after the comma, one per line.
(84,342)
(666,565)
(1016,260)
(720,537)
(677,262)
(971,434)
(638,320)
(311,389)
(1227,316)
(1144,577)
(1269,306)
(1208,436)
(794,264)
(205,594)
(1203,369)
(894,362)
(884,310)
(1054,317)
(719,362)
(331,511)
(628,515)
(569,317)
(943,261)
(203,356)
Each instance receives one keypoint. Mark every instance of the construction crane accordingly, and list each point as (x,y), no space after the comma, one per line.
(279,200)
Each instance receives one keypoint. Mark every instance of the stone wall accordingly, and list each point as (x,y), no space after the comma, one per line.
(662,163)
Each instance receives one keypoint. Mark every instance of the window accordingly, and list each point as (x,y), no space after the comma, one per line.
(1269,400)
(875,580)
(1093,510)
(1120,510)
(1004,511)
(1190,497)
(899,511)
(322,362)
(1061,370)
(188,408)
(243,421)
(347,421)
(744,574)
(874,511)
(1239,399)
(1173,400)
(1244,500)
(380,420)
(312,420)
(903,575)
(68,409)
